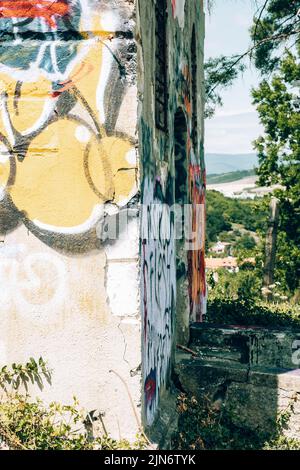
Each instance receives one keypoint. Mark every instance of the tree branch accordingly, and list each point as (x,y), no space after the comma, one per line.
(275,37)
(259,18)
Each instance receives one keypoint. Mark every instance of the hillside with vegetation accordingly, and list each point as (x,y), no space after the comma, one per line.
(237,296)
(229,177)
(230,220)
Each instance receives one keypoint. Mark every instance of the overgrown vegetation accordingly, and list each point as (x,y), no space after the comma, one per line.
(226,310)
(27,424)
(206,426)
(239,298)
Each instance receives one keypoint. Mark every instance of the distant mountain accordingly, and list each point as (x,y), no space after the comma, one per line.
(229,177)
(218,163)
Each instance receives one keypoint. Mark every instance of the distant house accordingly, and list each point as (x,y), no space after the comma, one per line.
(220,247)
(230,263)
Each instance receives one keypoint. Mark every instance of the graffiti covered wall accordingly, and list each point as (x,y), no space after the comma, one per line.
(69,168)
(67,163)
(168,282)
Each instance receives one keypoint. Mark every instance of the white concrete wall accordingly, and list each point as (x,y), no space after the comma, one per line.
(68,158)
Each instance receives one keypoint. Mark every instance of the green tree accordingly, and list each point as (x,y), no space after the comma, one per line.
(220,73)
(246,244)
(275,25)
(275,34)
(278,106)
(223,211)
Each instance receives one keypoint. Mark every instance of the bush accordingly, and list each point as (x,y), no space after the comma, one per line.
(245,284)
(27,424)
(226,310)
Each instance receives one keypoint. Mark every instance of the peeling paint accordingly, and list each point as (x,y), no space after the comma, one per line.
(178,9)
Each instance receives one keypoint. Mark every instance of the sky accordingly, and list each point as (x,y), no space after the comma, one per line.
(236,124)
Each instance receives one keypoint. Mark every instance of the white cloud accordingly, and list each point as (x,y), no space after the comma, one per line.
(236,124)
(232,133)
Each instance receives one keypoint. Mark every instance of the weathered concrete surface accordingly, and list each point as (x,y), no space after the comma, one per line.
(163,294)
(255,346)
(249,370)
(165,424)
(68,162)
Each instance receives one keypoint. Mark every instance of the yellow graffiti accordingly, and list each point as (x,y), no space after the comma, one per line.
(69,168)
(51,184)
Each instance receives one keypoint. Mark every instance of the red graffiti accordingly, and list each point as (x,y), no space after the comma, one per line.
(150,387)
(45,9)
(196,258)
(173,6)
(186,89)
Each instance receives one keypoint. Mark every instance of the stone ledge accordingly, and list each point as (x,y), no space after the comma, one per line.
(254,396)
(255,346)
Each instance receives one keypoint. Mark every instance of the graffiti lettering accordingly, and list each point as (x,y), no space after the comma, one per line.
(158,292)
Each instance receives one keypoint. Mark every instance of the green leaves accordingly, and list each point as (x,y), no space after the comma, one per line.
(23,374)
(220,73)
(278,106)
(205,426)
(223,309)
(29,424)
(276,25)
(223,211)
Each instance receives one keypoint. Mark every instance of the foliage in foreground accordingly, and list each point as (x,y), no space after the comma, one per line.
(30,425)
(203,426)
(27,424)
